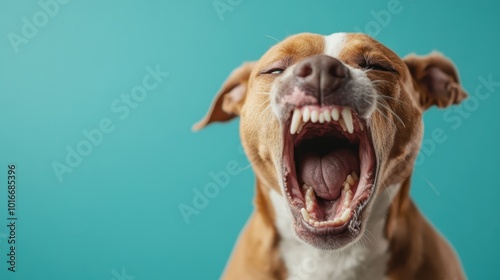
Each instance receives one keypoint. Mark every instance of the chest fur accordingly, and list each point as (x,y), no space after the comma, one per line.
(364,259)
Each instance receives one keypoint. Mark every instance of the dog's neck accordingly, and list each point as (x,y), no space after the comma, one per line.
(365,259)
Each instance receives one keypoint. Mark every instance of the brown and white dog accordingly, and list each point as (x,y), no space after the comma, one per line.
(332,126)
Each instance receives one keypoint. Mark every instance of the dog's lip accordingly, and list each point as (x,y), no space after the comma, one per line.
(358,203)
(330,230)
(355,215)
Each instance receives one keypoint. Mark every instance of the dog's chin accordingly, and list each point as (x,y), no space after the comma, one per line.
(329,170)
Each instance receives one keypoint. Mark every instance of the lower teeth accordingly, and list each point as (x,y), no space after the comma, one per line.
(310,200)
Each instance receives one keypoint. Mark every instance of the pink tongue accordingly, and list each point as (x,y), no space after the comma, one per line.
(326,173)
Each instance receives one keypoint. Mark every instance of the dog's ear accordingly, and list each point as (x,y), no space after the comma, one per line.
(436,80)
(228,101)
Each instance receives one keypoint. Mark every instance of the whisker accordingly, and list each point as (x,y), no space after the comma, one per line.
(391,98)
(380,81)
(368,238)
(377,109)
(266,110)
(388,108)
(271,37)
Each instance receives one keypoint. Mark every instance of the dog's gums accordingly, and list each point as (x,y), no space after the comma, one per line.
(329,170)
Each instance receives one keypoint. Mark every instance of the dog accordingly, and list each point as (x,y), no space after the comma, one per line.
(332,126)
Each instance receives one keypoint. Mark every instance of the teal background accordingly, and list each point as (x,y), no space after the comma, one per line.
(118,209)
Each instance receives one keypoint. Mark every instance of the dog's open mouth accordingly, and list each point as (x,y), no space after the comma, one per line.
(329,168)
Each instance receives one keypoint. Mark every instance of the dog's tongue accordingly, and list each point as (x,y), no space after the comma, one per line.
(326,173)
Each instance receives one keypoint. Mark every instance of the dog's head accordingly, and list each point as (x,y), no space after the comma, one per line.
(328,122)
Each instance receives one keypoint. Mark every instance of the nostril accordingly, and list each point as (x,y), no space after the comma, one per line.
(303,70)
(338,70)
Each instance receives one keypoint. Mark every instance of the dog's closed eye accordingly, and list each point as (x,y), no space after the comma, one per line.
(376,65)
(273,71)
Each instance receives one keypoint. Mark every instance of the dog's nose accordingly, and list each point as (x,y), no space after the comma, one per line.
(321,73)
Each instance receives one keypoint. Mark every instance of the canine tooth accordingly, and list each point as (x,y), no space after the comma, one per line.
(347,187)
(314,116)
(321,118)
(306,115)
(355,176)
(345,215)
(300,127)
(335,114)
(327,116)
(360,125)
(350,180)
(310,199)
(305,215)
(295,121)
(347,117)
(342,124)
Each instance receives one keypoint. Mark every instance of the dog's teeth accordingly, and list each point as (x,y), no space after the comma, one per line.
(347,117)
(347,187)
(305,215)
(314,116)
(321,118)
(310,197)
(355,176)
(306,114)
(327,116)
(347,195)
(345,215)
(300,127)
(296,120)
(350,180)
(335,114)
(342,124)
(360,125)
(347,199)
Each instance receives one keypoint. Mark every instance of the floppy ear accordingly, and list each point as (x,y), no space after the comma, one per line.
(228,101)
(436,80)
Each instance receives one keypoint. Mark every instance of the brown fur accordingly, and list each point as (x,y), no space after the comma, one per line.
(417,251)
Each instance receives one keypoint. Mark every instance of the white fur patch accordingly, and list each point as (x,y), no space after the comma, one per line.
(365,259)
(334,44)
(359,84)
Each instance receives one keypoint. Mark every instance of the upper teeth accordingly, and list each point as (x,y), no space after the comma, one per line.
(315,114)
(295,121)
(347,117)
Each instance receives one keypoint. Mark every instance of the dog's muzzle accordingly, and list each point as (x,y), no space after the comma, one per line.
(329,161)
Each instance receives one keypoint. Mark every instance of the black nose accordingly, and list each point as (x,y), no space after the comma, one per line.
(321,73)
